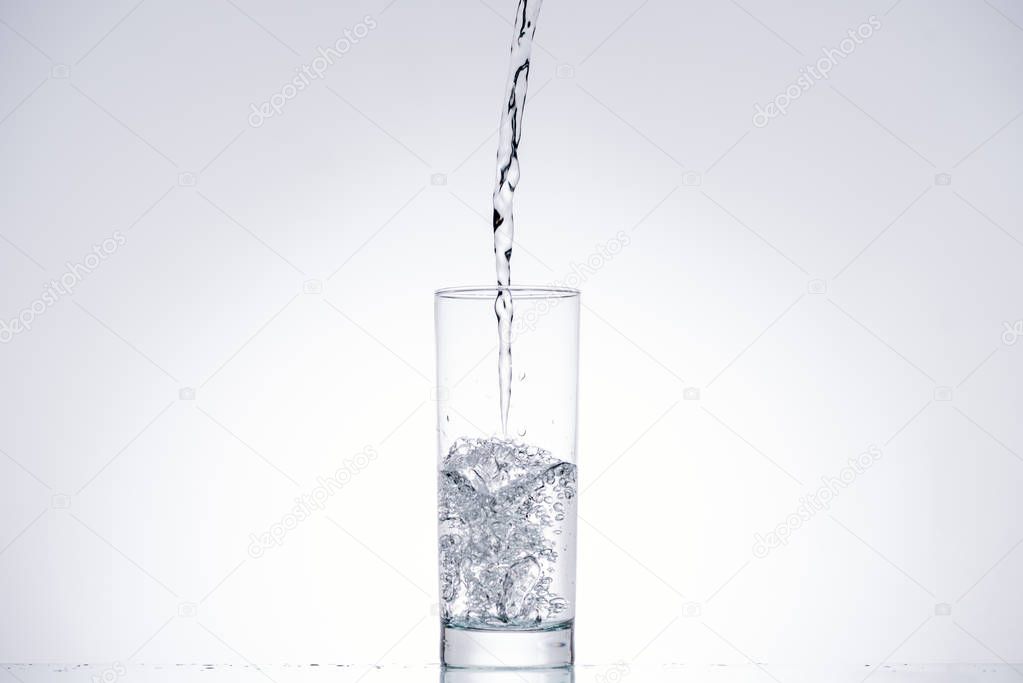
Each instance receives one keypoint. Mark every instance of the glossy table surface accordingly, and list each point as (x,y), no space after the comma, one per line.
(605,673)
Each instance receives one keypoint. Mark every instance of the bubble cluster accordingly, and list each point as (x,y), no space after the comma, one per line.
(507,535)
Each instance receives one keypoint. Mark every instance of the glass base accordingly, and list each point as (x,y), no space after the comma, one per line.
(508,649)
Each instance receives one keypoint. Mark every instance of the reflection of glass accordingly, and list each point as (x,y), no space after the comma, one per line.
(507,501)
(566,675)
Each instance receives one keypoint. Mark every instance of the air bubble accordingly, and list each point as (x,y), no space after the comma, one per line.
(501,505)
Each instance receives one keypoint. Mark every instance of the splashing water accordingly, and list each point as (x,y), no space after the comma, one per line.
(507,536)
(510,134)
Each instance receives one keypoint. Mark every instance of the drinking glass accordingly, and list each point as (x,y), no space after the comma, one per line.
(507,498)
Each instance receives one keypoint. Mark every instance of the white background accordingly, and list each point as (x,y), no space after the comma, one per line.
(811,279)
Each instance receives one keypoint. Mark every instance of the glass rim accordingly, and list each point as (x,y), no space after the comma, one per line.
(526,292)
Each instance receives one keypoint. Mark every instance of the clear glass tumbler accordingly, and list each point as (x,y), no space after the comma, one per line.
(507,500)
